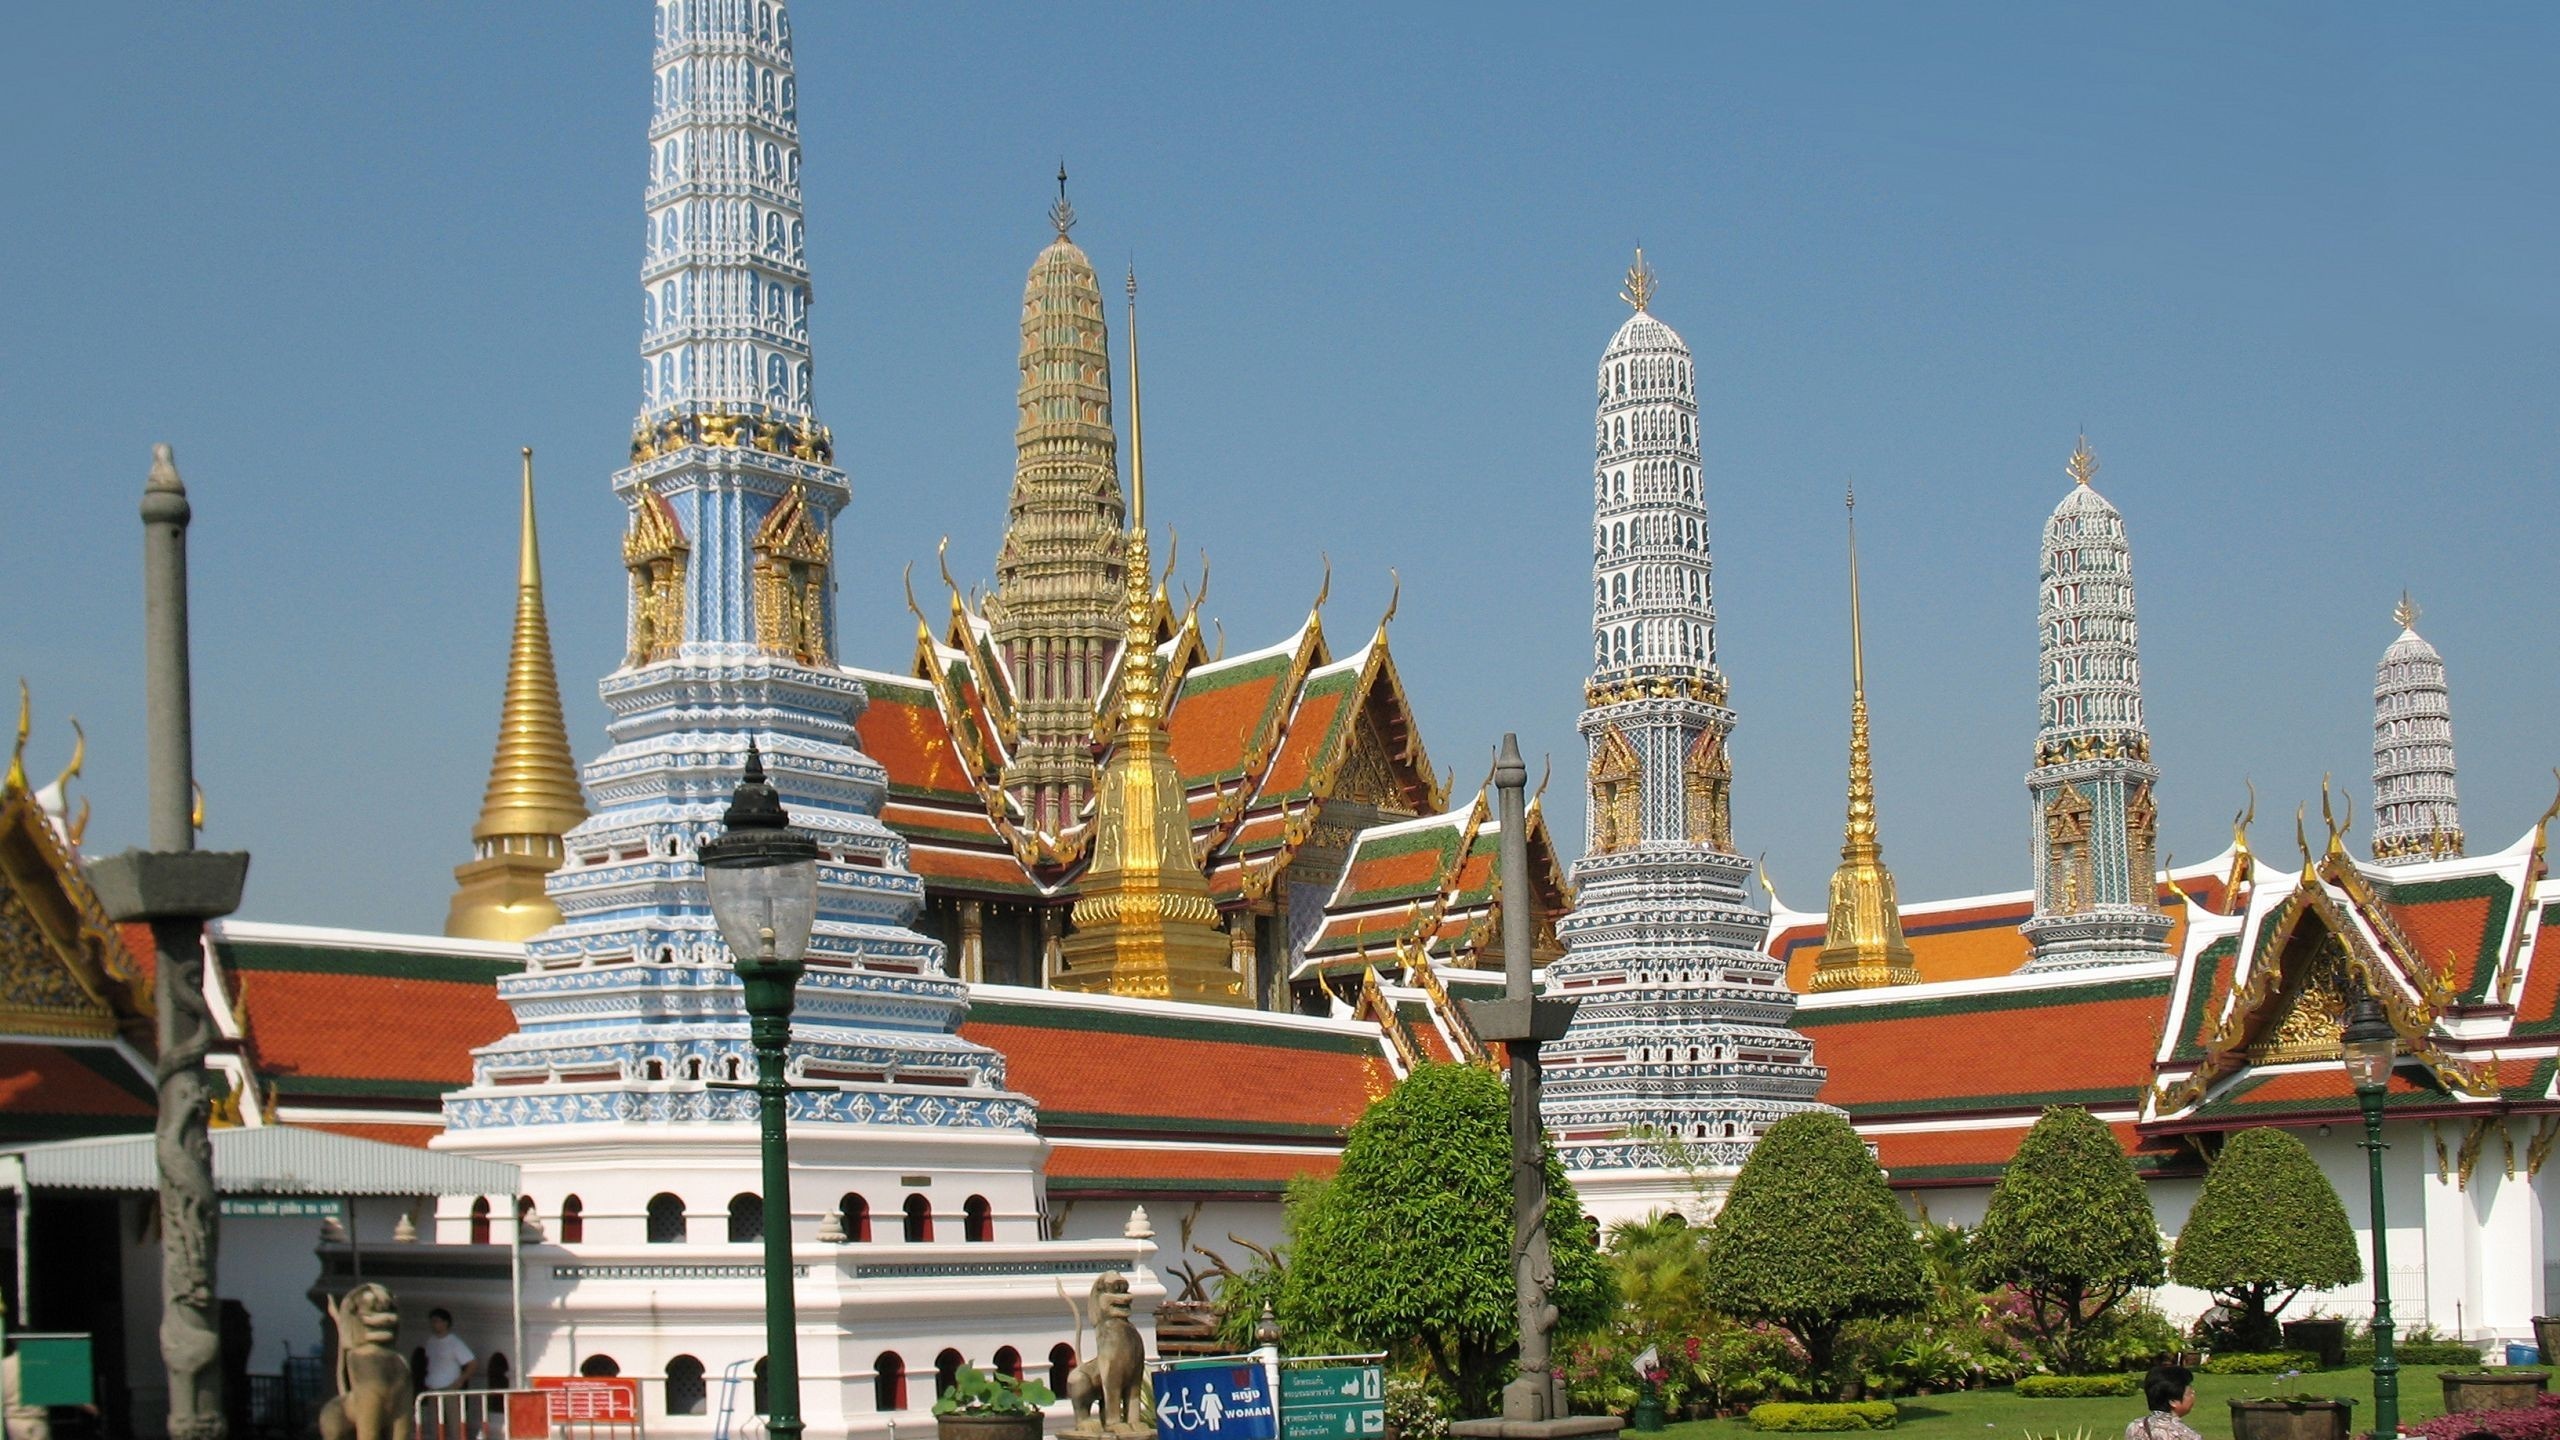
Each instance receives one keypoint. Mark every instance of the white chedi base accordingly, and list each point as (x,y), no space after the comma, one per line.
(644,1304)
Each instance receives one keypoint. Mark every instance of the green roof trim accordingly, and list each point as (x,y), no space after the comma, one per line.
(2201,995)
(1440,840)
(255,955)
(1167,1027)
(2101,992)
(112,1068)
(2542,1024)
(2491,887)
(1060,1121)
(291,1084)
(2114,1095)
(1105,1185)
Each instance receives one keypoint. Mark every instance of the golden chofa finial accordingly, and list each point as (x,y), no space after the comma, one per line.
(2406,612)
(1640,284)
(26,725)
(1062,214)
(2084,462)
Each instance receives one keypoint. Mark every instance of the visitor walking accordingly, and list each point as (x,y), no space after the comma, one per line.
(450,1366)
(2170,1391)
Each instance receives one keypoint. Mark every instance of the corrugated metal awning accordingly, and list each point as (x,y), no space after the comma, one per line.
(268,1160)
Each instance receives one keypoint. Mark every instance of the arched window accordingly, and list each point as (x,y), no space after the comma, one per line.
(1009,1362)
(946,1372)
(528,1224)
(573,1221)
(854,1213)
(746,1218)
(686,1393)
(756,1390)
(919,1220)
(480,1221)
(1062,1363)
(666,1220)
(978,1220)
(599,1367)
(889,1383)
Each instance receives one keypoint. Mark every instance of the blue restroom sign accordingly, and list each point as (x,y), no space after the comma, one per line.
(1214,1402)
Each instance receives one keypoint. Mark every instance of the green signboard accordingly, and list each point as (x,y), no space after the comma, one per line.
(55,1369)
(1340,1402)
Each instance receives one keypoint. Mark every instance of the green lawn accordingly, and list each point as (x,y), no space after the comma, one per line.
(2001,1415)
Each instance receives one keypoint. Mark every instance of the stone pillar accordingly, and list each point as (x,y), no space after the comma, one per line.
(973,942)
(1240,945)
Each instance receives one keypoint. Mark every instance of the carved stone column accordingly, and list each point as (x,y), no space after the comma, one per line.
(973,942)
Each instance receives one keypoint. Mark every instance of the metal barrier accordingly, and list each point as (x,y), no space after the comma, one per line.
(463,1414)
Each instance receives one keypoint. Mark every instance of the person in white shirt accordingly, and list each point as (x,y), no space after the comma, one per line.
(450,1363)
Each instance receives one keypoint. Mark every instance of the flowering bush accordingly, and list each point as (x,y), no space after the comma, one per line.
(2538,1421)
(1413,1411)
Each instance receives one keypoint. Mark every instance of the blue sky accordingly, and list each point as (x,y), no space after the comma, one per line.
(2291,266)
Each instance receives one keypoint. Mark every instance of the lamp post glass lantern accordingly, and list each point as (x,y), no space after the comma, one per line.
(762,877)
(2369,1047)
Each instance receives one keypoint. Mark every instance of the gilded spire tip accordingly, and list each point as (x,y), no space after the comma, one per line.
(1640,284)
(2084,462)
(2406,612)
(1062,214)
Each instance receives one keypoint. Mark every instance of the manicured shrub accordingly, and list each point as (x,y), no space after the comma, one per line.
(1811,1238)
(2262,1362)
(2417,1352)
(1408,1247)
(1795,1416)
(2267,1225)
(2069,1227)
(2077,1387)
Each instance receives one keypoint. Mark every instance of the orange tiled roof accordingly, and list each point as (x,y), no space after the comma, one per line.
(903,729)
(360,1022)
(2087,1043)
(1122,1170)
(2458,926)
(1220,718)
(56,1092)
(413,1136)
(1152,1072)
(1956,1157)
(2538,1004)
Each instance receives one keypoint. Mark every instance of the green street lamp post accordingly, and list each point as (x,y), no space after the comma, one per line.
(763,879)
(2369,1047)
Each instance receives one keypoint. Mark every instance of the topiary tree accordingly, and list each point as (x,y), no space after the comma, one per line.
(2268,1223)
(1408,1247)
(1811,1237)
(2070,1228)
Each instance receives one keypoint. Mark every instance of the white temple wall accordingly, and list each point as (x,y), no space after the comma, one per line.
(1264,1222)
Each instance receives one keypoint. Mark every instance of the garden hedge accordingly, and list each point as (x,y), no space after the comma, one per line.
(2077,1387)
(1794,1415)
(2421,1352)
(2262,1362)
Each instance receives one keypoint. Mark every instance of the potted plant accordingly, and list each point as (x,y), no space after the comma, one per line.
(2322,1335)
(2290,1415)
(980,1406)
(2492,1389)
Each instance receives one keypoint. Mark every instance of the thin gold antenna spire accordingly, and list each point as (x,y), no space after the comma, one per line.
(1857,627)
(1137,421)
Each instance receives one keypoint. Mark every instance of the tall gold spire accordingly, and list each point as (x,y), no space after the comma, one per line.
(533,797)
(1862,946)
(1144,922)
